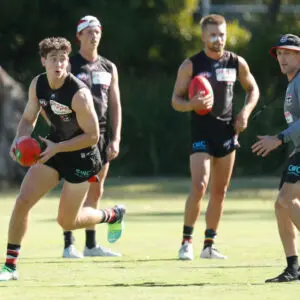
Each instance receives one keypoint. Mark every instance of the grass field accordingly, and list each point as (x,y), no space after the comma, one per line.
(149,268)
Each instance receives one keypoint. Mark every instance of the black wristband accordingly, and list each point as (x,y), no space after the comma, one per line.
(280,136)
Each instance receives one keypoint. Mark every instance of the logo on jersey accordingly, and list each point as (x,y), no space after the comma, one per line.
(60,109)
(83,173)
(103,78)
(200,145)
(205,74)
(294,170)
(43,102)
(83,77)
(226,74)
(227,144)
(288,117)
(288,99)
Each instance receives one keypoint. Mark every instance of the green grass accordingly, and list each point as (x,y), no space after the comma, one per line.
(149,268)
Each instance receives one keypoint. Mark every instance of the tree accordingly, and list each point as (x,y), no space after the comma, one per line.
(274,9)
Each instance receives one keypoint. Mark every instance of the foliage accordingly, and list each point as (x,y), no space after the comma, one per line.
(148,40)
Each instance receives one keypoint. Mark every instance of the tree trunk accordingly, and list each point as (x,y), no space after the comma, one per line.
(274,9)
(12,104)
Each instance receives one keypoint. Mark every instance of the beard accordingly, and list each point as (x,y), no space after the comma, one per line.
(216,48)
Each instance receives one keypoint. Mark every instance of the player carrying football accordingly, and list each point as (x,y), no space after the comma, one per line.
(70,154)
(214,136)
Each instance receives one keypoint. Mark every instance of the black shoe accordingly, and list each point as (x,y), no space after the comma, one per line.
(287,276)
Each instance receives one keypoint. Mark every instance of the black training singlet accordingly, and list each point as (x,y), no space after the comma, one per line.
(222,75)
(57,105)
(97,76)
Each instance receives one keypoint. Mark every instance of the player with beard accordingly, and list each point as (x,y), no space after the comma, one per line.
(215,135)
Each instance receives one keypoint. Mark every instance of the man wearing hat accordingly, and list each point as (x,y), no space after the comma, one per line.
(287,206)
(101,76)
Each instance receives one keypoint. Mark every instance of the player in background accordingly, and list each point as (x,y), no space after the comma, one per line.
(215,135)
(101,76)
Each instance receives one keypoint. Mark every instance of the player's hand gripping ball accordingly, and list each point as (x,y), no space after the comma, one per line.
(27,151)
(200,84)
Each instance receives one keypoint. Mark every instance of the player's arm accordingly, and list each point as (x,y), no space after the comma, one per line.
(115,109)
(83,105)
(179,97)
(292,133)
(31,112)
(249,85)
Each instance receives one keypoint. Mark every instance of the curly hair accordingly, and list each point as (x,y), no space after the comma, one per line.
(54,43)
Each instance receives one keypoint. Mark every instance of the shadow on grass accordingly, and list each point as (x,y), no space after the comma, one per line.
(249,214)
(155,187)
(180,264)
(174,188)
(150,284)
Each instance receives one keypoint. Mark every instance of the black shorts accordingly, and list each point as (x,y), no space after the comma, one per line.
(215,137)
(291,173)
(76,166)
(102,145)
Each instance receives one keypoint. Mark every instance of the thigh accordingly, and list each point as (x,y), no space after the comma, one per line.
(72,199)
(221,171)
(290,180)
(223,140)
(291,173)
(200,168)
(81,165)
(39,180)
(288,193)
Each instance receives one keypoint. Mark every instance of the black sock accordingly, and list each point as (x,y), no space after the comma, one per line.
(69,239)
(90,238)
(12,254)
(210,235)
(187,233)
(292,262)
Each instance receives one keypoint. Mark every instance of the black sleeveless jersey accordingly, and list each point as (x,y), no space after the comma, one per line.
(222,75)
(57,105)
(97,76)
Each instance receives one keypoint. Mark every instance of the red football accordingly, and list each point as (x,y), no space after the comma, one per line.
(200,83)
(27,151)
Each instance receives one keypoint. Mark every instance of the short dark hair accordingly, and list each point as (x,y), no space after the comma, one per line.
(212,20)
(54,43)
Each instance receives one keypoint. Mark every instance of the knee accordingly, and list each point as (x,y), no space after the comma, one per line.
(198,189)
(278,205)
(23,202)
(219,193)
(65,223)
(284,202)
